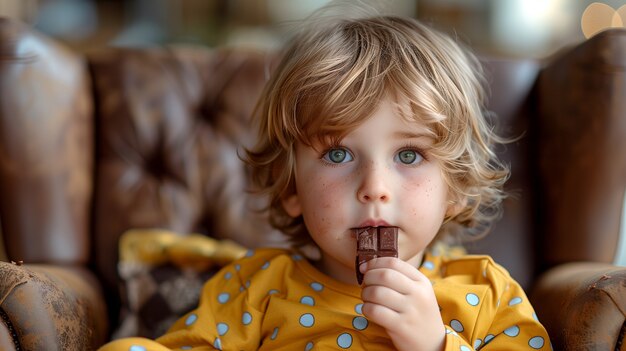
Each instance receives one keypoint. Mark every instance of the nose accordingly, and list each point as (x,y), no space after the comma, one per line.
(373,185)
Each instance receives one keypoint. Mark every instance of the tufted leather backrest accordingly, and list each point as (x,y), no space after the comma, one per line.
(170,124)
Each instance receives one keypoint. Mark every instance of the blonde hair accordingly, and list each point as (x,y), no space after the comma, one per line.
(332,77)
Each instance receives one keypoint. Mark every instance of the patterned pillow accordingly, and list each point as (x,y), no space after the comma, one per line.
(162,275)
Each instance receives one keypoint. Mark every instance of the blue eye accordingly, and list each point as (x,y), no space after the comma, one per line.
(337,155)
(409,157)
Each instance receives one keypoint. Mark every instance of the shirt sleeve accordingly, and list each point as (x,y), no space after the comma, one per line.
(485,309)
(515,325)
(454,342)
(133,344)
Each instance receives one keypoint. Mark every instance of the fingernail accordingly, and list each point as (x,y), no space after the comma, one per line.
(363,267)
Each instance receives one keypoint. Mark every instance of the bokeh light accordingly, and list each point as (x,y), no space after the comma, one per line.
(599,16)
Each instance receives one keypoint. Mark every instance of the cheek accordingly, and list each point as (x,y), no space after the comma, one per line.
(323,190)
(425,196)
(321,199)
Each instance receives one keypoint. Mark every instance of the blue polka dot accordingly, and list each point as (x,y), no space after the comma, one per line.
(317,286)
(191,319)
(274,333)
(222,328)
(307,300)
(137,348)
(309,346)
(536,342)
(488,338)
(248,284)
(265,265)
(250,253)
(344,340)
(477,343)
(186,347)
(359,323)
(237,267)
(515,301)
(456,325)
(217,343)
(297,257)
(223,297)
(359,308)
(512,331)
(246,318)
(465,348)
(535,317)
(472,299)
(228,275)
(307,320)
(429,265)
(272,292)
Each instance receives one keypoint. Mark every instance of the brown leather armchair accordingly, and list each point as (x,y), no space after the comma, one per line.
(91,146)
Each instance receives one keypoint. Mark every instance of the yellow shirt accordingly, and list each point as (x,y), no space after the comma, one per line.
(274,299)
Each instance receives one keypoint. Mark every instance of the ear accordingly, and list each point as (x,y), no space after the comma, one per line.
(291,205)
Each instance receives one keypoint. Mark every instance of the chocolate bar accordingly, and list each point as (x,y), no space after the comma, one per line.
(372,242)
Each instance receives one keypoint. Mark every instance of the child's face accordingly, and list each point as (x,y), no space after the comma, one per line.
(380,174)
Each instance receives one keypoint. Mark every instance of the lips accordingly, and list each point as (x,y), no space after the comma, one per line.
(373,223)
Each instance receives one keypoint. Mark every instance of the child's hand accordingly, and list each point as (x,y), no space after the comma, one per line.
(401,299)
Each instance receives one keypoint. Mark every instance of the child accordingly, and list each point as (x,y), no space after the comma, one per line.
(368,122)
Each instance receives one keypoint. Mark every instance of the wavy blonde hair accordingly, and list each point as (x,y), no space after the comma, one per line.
(332,77)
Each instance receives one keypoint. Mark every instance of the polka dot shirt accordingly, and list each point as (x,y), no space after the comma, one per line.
(274,299)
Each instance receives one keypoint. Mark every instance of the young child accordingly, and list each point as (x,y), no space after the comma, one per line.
(365,123)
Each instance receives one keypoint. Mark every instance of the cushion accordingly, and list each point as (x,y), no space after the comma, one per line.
(162,274)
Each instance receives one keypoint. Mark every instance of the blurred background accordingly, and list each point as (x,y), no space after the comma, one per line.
(519,28)
(510,28)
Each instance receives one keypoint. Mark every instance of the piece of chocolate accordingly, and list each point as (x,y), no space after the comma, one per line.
(372,242)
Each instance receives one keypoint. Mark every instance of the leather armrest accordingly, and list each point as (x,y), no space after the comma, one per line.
(6,339)
(46,307)
(582,305)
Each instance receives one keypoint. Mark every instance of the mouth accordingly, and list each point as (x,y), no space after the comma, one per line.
(373,223)
(369,224)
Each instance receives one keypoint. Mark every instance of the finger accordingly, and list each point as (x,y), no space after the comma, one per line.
(383,296)
(380,314)
(391,279)
(394,264)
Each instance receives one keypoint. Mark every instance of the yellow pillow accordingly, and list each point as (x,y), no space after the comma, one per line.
(157,246)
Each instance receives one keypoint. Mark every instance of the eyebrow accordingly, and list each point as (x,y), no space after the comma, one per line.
(412,135)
